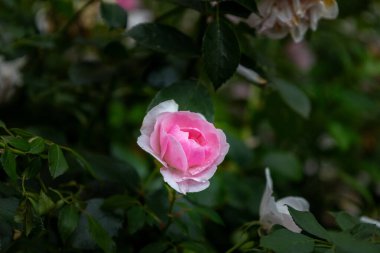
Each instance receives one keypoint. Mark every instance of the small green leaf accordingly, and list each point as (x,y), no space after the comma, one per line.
(17,142)
(163,38)
(57,161)
(136,219)
(285,241)
(8,161)
(189,95)
(309,223)
(295,98)
(100,236)
(221,52)
(37,145)
(45,204)
(68,219)
(345,221)
(113,15)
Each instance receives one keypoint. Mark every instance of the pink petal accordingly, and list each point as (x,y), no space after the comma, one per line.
(151,117)
(174,156)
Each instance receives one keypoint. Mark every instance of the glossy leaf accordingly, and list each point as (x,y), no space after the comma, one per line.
(163,38)
(57,161)
(307,222)
(8,161)
(189,95)
(221,52)
(37,145)
(17,142)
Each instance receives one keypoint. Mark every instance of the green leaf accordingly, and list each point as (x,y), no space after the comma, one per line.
(37,145)
(113,15)
(57,161)
(100,236)
(221,52)
(68,219)
(295,98)
(22,133)
(346,243)
(17,142)
(309,223)
(8,161)
(189,95)
(285,164)
(195,247)
(136,219)
(285,241)
(345,221)
(45,204)
(163,38)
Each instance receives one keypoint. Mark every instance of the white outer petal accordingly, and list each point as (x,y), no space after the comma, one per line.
(297,203)
(151,117)
(269,214)
(368,220)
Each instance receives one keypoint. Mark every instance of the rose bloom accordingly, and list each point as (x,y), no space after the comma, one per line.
(128,4)
(185,143)
(277,18)
(276,212)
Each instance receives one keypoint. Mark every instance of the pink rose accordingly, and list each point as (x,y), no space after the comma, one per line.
(128,4)
(185,143)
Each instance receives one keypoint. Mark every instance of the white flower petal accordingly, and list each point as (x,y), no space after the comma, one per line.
(151,117)
(368,220)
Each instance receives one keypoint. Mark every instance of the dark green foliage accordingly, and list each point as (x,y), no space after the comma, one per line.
(73,179)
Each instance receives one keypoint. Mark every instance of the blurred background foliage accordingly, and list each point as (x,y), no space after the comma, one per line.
(312,116)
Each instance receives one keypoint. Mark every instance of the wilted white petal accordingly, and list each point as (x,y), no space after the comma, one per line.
(368,220)
(272,212)
(330,9)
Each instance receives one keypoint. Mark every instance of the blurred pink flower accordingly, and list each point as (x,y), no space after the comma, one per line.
(301,55)
(185,143)
(276,212)
(277,18)
(128,4)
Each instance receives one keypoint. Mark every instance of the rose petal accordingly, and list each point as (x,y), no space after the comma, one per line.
(297,203)
(193,186)
(151,117)
(269,214)
(144,142)
(174,156)
(168,178)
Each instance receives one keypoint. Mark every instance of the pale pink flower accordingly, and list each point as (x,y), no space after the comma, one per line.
(277,18)
(276,212)
(10,77)
(128,4)
(185,143)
